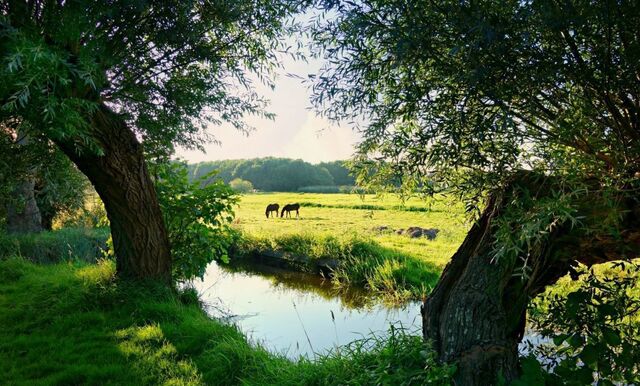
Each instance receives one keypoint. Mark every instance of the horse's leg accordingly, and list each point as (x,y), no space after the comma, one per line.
(297,214)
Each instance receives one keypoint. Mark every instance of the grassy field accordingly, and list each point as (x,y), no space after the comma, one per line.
(75,323)
(343,226)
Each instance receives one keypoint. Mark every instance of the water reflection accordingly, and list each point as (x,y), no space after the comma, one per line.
(296,313)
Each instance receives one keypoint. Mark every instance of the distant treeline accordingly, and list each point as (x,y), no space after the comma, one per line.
(278,174)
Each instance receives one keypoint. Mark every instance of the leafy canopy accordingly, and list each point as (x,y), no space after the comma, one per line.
(170,67)
(465,93)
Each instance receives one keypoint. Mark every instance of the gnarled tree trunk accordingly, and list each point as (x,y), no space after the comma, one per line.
(121,179)
(476,314)
(23,214)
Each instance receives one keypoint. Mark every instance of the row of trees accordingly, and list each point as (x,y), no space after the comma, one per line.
(468,94)
(276,174)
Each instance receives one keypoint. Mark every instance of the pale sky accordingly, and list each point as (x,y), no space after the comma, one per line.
(296,132)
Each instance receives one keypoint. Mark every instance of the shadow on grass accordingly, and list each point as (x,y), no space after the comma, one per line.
(66,324)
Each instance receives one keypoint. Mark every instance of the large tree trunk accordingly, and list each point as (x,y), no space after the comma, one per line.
(476,314)
(23,215)
(121,179)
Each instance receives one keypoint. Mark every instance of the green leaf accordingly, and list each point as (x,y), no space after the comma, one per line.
(611,337)
(559,339)
(589,354)
(576,340)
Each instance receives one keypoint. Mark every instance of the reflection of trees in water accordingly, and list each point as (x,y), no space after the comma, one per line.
(285,280)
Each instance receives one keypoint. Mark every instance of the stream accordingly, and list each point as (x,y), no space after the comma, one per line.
(298,314)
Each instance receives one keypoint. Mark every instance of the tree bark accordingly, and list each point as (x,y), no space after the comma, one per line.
(23,215)
(476,315)
(121,178)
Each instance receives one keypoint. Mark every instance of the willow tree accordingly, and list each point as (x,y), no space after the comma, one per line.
(530,110)
(103,79)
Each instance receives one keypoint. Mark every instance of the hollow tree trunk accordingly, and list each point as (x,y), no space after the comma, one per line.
(121,179)
(476,314)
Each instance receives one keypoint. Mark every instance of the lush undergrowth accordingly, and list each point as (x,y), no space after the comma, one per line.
(363,262)
(74,323)
(85,244)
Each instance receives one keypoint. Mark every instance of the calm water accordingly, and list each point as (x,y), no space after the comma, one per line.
(299,314)
(294,313)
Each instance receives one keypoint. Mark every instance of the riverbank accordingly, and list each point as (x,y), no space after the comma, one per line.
(75,323)
(347,261)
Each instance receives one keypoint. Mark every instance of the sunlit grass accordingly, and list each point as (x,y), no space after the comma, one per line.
(72,323)
(330,227)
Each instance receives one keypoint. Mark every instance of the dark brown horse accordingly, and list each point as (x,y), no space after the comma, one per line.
(289,208)
(272,208)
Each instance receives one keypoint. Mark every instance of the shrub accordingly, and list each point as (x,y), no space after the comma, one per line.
(241,186)
(197,217)
(595,330)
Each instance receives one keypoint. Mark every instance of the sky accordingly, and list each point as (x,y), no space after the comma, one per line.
(296,132)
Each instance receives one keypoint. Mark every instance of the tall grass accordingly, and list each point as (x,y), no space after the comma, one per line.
(85,244)
(361,261)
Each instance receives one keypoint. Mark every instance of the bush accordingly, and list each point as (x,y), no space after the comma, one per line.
(197,217)
(241,186)
(361,262)
(595,330)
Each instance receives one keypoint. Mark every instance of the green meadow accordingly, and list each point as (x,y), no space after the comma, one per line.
(345,227)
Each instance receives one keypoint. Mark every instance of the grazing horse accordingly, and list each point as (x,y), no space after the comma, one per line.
(272,208)
(290,207)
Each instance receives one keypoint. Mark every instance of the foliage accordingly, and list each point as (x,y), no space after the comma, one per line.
(60,188)
(91,215)
(276,174)
(167,69)
(339,171)
(71,244)
(465,93)
(595,329)
(78,324)
(197,217)
(241,186)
